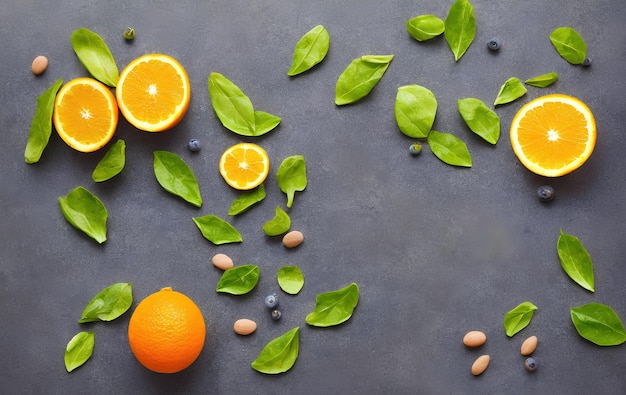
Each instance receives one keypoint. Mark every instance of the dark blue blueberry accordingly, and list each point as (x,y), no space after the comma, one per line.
(493,44)
(415,149)
(531,364)
(545,193)
(194,145)
(271,301)
(587,62)
(276,315)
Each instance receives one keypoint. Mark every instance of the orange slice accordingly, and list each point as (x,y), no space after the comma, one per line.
(85,114)
(153,92)
(553,135)
(244,166)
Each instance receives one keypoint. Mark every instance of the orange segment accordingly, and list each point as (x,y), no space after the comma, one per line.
(244,166)
(85,114)
(153,92)
(553,135)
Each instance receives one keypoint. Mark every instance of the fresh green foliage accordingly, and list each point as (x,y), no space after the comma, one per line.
(78,350)
(310,50)
(239,280)
(280,354)
(480,119)
(360,77)
(108,304)
(216,230)
(94,54)
(460,27)
(112,163)
(599,324)
(290,279)
(544,80)
(85,212)
(511,90)
(415,110)
(449,149)
(425,27)
(41,125)
(569,44)
(235,110)
(518,318)
(335,307)
(246,200)
(575,260)
(176,177)
(291,176)
(279,224)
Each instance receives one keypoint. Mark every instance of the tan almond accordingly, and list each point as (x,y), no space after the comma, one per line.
(529,345)
(480,365)
(293,239)
(40,64)
(474,339)
(222,261)
(244,326)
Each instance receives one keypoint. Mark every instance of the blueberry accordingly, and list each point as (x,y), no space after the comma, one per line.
(531,364)
(493,44)
(276,315)
(545,193)
(194,145)
(587,62)
(415,149)
(271,301)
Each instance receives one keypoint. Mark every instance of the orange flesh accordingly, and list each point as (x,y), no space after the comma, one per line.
(244,166)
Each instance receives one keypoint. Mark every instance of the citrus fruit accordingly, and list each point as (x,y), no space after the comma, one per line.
(166,331)
(553,135)
(244,166)
(85,114)
(153,92)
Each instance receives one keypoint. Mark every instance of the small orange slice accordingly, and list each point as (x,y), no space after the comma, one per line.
(85,114)
(553,135)
(153,92)
(244,166)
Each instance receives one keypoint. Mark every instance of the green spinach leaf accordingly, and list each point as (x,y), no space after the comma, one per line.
(290,279)
(112,163)
(279,224)
(449,149)
(511,90)
(575,260)
(108,304)
(78,350)
(460,27)
(544,80)
(335,307)
(176,177)
(280,354)
(239,280)
(569,44)
(264,122)
(94,54)
(599,324)
(360,77)
(518,318)
(310,50)
(425,27)
(291,176)
(246,200)
(41,125)
(415,110)
(216,230)
(83,210)
(480,119)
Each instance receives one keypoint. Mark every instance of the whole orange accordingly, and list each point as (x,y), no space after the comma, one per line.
(166,331)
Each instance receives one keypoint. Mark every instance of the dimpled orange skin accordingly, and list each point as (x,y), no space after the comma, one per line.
(166,332)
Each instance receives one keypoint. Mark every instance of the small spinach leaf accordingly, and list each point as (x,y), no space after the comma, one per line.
(112,163)
(415,110)
(575,260)
(279,224)
(280,354)
(85,212)
(176,177)
(95,56)
(239,280)
(291,176)
(569,44)
(216,230)
(518,318)
(246,200)
(449,149)
(41,125)
(108,304)
(264,122)
(544,80)
(335,307)
(290,279)
(310,50)
(460,27)
(480,119)
(360,77)
(78,350)
(511,90)
(425,27)
(599,324)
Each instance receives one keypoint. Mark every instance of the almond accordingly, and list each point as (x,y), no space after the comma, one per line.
(244,326)
(222,261)
(480,365)
(293,239)
(529,345)
(40,64)
(474,339)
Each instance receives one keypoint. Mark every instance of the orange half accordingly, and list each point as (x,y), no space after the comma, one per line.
(244,166)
